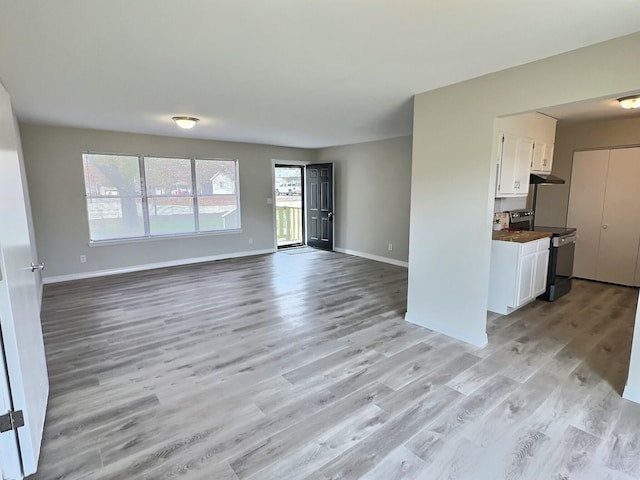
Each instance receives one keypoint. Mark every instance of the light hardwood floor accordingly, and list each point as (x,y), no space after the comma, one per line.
(299,365)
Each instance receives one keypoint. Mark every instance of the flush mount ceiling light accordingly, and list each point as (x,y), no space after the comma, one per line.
(630,102)
(185,122)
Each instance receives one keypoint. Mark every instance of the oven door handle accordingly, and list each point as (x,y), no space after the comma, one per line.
(562,241)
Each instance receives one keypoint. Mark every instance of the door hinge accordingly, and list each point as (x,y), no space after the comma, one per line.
(11,421)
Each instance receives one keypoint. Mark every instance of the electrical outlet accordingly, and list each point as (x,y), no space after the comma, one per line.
(83,259)
(391,247)
(250,240)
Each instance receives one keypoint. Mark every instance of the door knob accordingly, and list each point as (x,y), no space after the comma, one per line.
(35,266)
(330,214)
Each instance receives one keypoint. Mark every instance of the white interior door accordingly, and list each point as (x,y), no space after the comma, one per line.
(586,200)
(10,466)
(20,296)
(620,229)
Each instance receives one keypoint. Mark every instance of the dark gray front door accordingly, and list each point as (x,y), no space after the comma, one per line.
(320,205)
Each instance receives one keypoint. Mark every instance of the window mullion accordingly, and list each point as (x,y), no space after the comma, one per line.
(143,192)
(194,192)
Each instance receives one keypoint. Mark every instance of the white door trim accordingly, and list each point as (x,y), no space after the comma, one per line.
(272,200)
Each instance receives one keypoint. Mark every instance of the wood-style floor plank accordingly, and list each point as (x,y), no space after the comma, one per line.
(301,366)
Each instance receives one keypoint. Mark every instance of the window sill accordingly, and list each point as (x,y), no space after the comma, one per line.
(177,236)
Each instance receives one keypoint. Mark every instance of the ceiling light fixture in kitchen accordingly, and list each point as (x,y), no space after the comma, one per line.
(632,101)
(185,122)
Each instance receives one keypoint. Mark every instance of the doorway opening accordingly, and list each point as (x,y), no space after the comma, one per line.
(289,194)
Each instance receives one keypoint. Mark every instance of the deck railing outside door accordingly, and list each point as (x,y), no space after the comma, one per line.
(289,224)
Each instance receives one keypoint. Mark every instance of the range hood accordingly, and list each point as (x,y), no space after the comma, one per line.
(544,179)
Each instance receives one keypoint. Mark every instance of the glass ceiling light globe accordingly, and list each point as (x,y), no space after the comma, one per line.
(630,102)
(185,122)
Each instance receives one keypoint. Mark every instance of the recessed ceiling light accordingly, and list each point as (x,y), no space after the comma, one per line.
(185,122)
(632,101)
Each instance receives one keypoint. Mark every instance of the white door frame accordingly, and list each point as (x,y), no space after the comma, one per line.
(272,200)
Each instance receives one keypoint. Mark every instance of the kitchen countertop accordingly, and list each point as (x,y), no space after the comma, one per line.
(521,236)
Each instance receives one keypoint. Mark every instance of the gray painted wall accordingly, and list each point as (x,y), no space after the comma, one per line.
(364,172)
(553,200)
(452,166)
(373,184)
(53,158)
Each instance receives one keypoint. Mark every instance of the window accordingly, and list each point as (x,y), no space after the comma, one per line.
(138,197)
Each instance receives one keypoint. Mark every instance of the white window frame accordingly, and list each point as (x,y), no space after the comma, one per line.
(145,199)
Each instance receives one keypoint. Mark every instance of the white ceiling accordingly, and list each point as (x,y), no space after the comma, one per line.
(593,109)
(305,73)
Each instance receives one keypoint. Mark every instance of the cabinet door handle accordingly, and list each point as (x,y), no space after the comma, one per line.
(605,226)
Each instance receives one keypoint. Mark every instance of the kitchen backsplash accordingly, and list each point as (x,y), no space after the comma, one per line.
(507,204)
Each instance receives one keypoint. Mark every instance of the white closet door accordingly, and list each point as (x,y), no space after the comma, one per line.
(586,200)
(620,230)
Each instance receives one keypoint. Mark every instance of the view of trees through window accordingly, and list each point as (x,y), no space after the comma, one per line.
(180,196)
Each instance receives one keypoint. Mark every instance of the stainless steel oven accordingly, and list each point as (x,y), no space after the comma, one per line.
(521,219)
(560,272)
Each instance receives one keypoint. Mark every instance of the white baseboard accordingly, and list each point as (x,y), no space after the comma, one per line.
(151,266)
(477,340)
(632,393)
(377,258)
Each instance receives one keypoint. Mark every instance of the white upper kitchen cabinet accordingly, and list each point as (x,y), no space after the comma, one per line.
(516,156)
(542,157)
(514,165)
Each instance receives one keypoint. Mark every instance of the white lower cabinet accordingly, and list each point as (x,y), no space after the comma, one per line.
(527,265)
(518,273)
